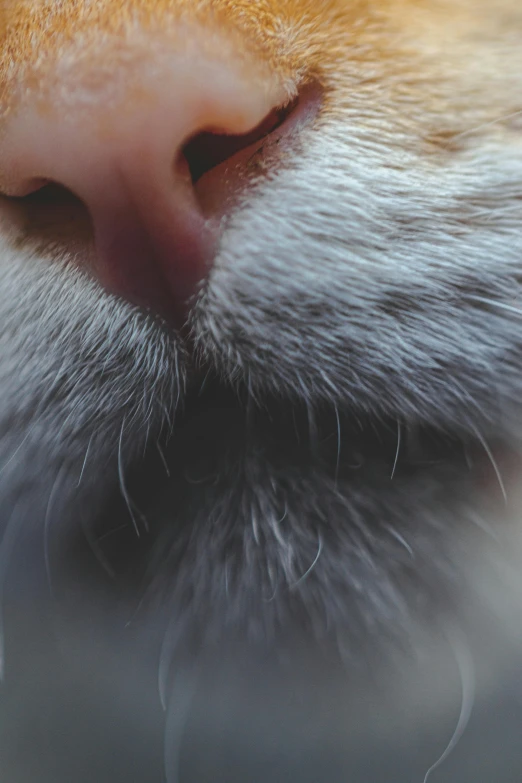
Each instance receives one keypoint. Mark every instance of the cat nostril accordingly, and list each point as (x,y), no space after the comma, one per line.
(209,149)
(223,166)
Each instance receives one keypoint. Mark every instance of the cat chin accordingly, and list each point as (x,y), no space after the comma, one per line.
(224,523)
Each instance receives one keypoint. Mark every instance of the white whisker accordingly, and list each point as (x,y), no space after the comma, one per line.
(338,457)
(131,506)
(311,568)
(467,677)
(493,462)
(493,303)
(15,452)
(84,461)
(402,541)
(502,118)
(163,458)
(399,437)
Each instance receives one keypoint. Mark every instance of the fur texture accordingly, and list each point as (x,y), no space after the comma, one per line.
(320,462)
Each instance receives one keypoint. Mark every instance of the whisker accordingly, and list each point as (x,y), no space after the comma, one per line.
(131,506)
(489,124)
(338,456)
(466,668)
(402,541)
(276,530)
(399,438)
(183,691)
(493,303)
(275,586)
(311,568)
(15,452)
(163,458)
(84,461)
(493,462)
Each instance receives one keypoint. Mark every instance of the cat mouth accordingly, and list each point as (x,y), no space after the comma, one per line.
(342,441)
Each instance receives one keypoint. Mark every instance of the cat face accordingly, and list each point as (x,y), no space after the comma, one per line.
(371,242)
(318,206)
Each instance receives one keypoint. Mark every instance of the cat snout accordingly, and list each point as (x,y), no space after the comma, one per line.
(136,145)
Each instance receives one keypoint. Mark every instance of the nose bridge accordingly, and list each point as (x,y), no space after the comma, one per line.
(144,109)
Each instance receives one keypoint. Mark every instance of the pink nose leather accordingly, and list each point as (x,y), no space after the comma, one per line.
(120,152)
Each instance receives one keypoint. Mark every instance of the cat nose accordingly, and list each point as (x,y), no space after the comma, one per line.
(120,147)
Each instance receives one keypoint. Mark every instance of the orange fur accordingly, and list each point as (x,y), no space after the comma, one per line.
(411,57)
